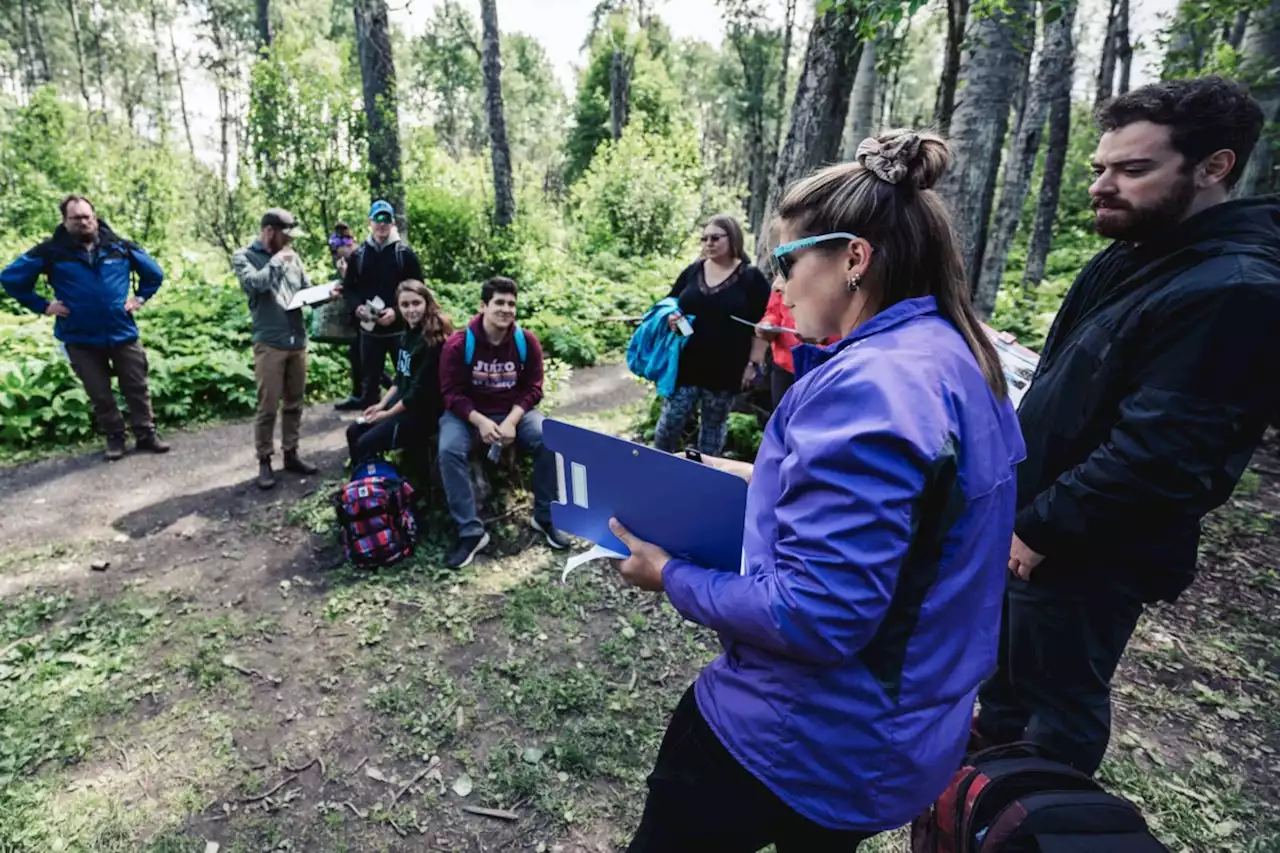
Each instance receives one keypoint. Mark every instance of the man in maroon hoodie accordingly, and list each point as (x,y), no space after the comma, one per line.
(491,397)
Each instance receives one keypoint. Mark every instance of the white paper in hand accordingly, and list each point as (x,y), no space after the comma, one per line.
(597,552)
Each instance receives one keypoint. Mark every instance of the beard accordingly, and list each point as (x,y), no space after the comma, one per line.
(1139,224)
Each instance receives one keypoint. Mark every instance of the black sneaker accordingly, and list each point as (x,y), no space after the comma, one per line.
(266,478)
(351,404)
(554,537)
(151,443)
(465,551)
(295,463)
(115,447)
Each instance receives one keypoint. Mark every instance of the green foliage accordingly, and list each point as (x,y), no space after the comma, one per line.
(639,196)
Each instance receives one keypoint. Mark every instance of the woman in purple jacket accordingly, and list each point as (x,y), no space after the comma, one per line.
(878,526)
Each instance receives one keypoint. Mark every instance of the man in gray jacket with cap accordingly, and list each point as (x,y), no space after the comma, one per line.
(270,272)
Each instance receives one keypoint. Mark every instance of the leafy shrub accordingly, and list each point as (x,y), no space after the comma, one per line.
(639,196)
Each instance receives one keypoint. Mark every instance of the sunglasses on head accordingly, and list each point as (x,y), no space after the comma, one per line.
(784,259)
(713,238)
(336,240)
(382,218)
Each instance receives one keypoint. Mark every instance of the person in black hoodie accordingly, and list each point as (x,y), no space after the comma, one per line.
(374,271)
(413,405)
(1153,390)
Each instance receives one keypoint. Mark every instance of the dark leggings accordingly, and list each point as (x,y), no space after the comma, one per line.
(365,441)
(701,800)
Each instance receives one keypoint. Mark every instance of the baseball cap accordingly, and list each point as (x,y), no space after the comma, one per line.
(381,206)
(278,217)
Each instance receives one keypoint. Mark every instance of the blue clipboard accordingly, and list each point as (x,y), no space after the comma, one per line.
(693,511)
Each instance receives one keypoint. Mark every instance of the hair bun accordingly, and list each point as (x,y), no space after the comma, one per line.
(904,155)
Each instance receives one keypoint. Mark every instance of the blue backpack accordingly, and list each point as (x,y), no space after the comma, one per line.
(522,345)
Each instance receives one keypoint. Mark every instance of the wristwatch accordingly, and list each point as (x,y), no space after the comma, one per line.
(693,456)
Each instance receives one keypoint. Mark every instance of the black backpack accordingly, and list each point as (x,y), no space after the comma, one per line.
(399,248)
(1009,799)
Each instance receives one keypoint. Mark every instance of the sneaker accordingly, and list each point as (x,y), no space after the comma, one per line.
(554,537)
(266,478)
(351,404)
(151,443)
(115,447)
(293,462)
(466,549)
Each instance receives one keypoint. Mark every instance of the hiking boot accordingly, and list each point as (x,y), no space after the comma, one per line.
(351,404)
(266,479)
(554,537)
(465,551)
(293,462)
(151,443)
(115,447)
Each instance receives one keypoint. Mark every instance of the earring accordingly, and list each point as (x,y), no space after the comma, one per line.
(854,281)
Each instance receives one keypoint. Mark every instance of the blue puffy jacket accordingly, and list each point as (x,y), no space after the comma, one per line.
(94,286)
(654,350)
(877,537)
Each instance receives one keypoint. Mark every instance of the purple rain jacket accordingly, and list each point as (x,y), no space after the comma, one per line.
(877,539)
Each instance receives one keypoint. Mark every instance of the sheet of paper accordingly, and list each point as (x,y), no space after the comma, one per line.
(765,327)
(312,295)
(597,552)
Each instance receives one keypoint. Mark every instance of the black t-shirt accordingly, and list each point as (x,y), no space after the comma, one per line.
(717,353)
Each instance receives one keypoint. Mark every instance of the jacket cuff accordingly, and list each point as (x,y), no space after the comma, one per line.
(678,579)
(462,407)
(1034,531)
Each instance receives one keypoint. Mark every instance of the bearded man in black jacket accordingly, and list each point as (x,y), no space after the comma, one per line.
(1154,388)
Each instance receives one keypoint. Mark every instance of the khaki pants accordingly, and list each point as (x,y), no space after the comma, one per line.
(282,378)
(128,362)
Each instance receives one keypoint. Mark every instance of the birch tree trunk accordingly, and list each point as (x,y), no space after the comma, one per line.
(504,200)
(182,93)
(957,20)
(862,102)
(79,45)
(161,113)
(1054,71)
(1261,62)
(990,71)
(378,79)
(821,103)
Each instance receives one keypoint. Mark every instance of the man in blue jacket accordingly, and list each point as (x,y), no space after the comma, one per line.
(91,270)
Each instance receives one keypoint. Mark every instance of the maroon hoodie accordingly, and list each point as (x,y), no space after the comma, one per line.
(495,382)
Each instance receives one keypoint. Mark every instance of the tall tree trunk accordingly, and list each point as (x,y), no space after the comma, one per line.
(862,102)
(264,27)
(42,54)
(162,117)
(100,62)
(1261,61)
(1235,37)
(1055,68)
(182,93)
(26,50)
(378,75)
(619,91)
(1107,64)
(1124,47)
(957,20)
(75,33)
(788,27)
(1000,42)
(757,171)
(821,103)
(504,199)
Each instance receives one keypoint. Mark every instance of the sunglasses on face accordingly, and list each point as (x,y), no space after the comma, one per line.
(784,258)
(382,218)
(712,239)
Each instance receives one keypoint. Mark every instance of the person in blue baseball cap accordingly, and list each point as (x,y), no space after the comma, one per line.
(374,271)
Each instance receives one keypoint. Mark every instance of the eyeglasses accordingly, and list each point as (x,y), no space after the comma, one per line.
(784,256)
(382,218)
(713,238)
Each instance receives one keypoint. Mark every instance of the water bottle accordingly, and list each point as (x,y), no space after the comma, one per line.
(495,452)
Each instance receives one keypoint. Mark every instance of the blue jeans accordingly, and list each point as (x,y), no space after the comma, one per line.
(457,437)
(714,427)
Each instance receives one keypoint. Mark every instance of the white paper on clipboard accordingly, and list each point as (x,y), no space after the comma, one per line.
(766,327)
(312,295)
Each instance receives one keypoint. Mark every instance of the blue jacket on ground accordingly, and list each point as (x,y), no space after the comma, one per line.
(876,542)
(94,286)
(654,350)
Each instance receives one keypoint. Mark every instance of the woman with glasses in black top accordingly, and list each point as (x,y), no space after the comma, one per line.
(723,355)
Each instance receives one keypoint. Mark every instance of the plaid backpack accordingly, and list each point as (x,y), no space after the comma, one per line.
(1009,799)
(375,515)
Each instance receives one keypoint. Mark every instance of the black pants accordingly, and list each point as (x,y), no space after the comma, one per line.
(374,350)
(701,800)
(1059,648)
(407,428)
(780,381)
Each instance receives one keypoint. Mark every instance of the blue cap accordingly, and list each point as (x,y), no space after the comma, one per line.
(381,206)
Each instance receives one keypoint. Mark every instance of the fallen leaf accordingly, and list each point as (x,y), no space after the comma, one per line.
(462,786)
(532,755)
(211,847)
(374,773)
(1227,827)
